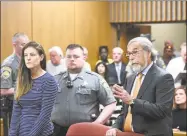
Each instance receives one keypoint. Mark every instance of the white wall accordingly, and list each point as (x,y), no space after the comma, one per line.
(175,32)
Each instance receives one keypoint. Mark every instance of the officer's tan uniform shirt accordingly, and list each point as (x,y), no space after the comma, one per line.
(9,71)
(76,104)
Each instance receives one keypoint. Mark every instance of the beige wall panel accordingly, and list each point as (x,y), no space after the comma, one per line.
(53,23)
(61,23)
(92,27)
(15,17)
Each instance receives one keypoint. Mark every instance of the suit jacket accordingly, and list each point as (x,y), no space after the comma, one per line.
(152,109)
(111,74)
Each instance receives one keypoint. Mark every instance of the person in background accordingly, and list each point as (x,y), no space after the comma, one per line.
(178,64)
(180,109)
(79,94)
(147,95)
(35,95)
(86,65)
(116,70)
(116,74)
(168,52)
(56,64)
(103,54)
(9,71)
(101,69)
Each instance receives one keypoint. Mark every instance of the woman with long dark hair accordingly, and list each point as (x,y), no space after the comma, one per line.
(180,109)
(35,95)
(101,69)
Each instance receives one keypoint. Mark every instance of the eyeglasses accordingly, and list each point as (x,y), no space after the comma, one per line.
(133,53)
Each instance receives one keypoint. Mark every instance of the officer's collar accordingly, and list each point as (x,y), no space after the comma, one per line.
(80,75)
(17,57)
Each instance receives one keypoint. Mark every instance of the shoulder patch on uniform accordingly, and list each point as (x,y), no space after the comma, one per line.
(5,72)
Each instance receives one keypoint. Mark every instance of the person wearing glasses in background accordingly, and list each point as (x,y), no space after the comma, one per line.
(147,94)
(79,94)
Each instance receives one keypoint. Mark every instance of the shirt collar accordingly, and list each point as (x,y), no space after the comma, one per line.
(144,72)
(118,64)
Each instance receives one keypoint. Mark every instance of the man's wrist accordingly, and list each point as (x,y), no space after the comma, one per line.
(131,102)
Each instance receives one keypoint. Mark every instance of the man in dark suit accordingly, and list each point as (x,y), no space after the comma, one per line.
(116,73)
(147,95)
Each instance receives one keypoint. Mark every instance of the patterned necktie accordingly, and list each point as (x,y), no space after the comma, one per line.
(128,120)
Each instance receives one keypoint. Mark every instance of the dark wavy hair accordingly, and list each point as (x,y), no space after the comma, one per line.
(104,64)
(24,81)
(176,106)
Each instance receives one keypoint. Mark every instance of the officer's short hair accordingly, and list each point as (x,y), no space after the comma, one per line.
(146,45)
(17,35)
(57,49)
(74,46)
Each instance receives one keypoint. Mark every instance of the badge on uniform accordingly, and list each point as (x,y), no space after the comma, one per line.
(5,72)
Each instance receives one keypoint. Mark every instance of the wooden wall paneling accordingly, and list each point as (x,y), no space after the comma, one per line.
(118,7)
(130,11)
(158,10)
(144,12)
(139,11)
(154,11)
(15,17)
(184,4)
(92,27)
(111,11)
(168,10)
(53,23)
(125,3)
(115,11)
(179,10)
(164,9)
(174,9)
(121,13)
(149,11)
(134,11)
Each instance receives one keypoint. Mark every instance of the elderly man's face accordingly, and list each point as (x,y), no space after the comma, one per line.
(139,59)
(117,55)
(55,58)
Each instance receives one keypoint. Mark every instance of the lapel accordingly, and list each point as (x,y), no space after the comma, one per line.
(122,72)
(130,82)
(147,81)
(114,69)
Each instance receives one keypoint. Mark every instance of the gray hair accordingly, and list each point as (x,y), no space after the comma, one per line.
(18,35)
(146,45)
(121,51)
(57,49)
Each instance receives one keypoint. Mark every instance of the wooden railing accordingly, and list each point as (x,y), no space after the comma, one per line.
(147,11)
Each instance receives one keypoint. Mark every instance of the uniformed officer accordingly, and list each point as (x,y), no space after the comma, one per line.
(79,95)
(9,70)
